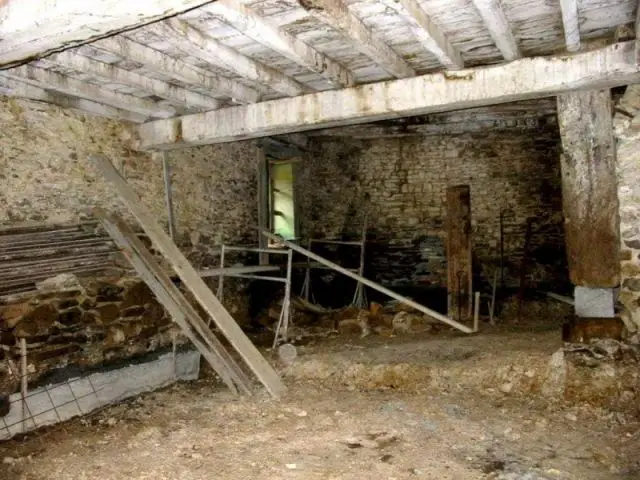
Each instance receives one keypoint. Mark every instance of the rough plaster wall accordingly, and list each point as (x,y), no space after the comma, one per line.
(402,182)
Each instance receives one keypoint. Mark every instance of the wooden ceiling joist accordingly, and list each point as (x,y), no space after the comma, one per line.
(30,28)
(178,69)
(496,22)
(336,14)
(527,78)
(49,80)
(240,17)
(16,89)
(570,21)
(176,31)
(176,95)
(427,32)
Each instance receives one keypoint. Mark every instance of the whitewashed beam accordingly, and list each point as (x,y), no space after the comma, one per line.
(29,28)
(192,41)
(527,78)
(570,21)
(240,17)
(178,69)
(637,24)
(177,95)
(336,14)
(13,88)
(427,32)
(77,88)
(496,22)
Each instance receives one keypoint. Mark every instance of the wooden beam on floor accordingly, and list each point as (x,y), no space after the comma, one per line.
(589,188)
(571,23)
(176,95)
(41,78)
(191,279)
(337,14)
(427,32)
(14,88)
(182,312)
(240,17)
(528,78)
(174,67)
(31,28)
(495,20)
(192,41)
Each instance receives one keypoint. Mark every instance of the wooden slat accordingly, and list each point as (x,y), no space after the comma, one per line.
(189,276)
(178,307)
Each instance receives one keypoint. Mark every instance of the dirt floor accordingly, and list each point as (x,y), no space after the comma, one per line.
(433,407)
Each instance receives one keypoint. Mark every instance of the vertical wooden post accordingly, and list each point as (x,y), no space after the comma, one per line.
(263,201)
(459,268)
(589,188)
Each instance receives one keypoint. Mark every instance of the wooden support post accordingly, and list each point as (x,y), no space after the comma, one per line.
(459,268)
(190,278)
(24,382)
(367,282)
(476,312)
(589,188)
(263,202)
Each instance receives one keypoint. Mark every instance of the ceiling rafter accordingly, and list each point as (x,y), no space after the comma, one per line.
(176,95)
(427,32)
(240,17)
(336,14)
(16,89)
(192,41)
(41,78)
(496,22)
(178,69)
(571,23)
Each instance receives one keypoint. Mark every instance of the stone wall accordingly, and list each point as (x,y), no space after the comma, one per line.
(401,183)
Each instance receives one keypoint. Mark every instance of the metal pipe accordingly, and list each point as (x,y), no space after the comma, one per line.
(369,283)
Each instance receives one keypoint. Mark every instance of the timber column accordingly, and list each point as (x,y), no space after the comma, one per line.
(590,199)
(459,267)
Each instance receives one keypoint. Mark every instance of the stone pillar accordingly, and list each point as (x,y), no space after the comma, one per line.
(627,131)
(459,266)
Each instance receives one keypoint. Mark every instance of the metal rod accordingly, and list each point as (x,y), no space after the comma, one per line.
(355,243)
(168,194)
(220,278)
(257,250)
(369,283)
(257,277)
(493,297)
(24,380)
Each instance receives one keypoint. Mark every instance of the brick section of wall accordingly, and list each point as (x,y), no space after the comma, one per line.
(401,182)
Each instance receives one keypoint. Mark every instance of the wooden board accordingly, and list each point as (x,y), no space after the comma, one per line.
(191,279)
(459,265)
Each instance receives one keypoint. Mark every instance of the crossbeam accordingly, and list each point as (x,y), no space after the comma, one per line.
(528,78)
(496,22)
(29,28)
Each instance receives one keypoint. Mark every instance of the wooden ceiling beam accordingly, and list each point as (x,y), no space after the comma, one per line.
(336,14)
(189,39)
(524,79)
(41,78)
(176,95)
(427,32)
(571,23)
(32,28)
(16,89)
(240,17)
(496,22)
(174,67)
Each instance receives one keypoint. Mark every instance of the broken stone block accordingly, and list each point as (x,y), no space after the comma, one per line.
(10,315)
(37,322)
(62,282)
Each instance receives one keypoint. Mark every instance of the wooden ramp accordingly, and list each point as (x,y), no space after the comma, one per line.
(173,300)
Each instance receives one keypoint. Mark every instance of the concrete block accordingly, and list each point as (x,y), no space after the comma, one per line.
(594,302)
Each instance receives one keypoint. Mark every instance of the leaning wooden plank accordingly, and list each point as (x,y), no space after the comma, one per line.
(189,276)
(173,300)
(368,283)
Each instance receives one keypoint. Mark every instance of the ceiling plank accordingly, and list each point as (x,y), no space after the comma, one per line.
(336,14)
(30,28)
(77,88)
(192,41)
(571,23)
(177,95)
(496,22)
(235,14)
(13,88)
(178,69)
(427,32)
(527,78)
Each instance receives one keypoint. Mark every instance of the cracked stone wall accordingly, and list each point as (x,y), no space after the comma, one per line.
(401,183)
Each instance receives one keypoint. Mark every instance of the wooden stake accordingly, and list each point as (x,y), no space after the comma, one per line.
(24,381)
(476,312)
